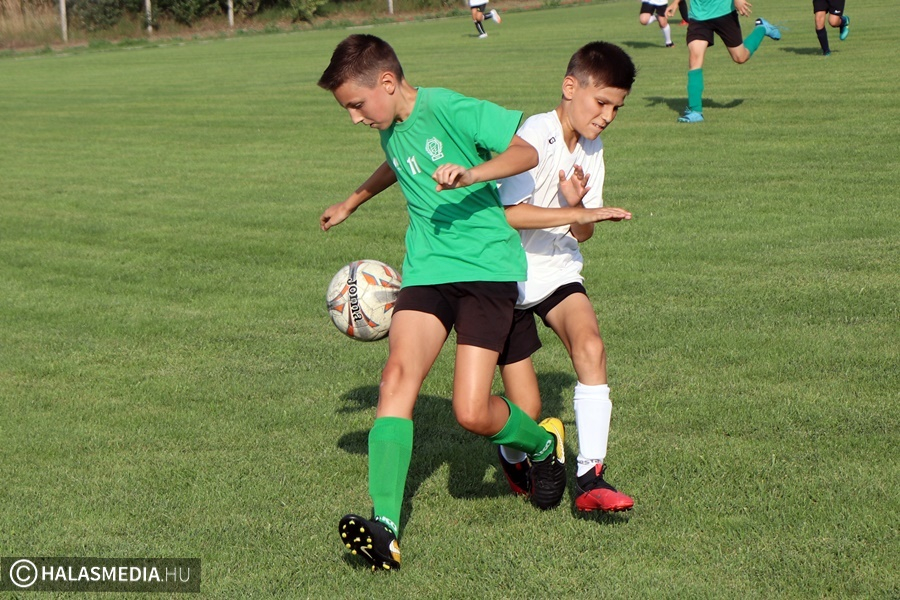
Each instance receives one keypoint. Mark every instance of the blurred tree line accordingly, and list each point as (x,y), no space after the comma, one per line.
(97,15)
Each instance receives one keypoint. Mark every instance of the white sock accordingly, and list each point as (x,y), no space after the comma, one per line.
(593,410)
(512,455)
(652,19)
(667,33)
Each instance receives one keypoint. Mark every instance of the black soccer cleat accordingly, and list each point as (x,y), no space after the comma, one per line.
(371,540)
(548,476)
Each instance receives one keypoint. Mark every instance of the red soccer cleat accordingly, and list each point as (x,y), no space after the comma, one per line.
(517,475)
(595,494)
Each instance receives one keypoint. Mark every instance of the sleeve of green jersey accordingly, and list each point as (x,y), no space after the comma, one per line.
(492,126)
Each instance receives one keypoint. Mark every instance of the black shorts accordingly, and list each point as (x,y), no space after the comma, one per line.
(648,8)
(727,27)
(523,340)
(832,7)
(481,311)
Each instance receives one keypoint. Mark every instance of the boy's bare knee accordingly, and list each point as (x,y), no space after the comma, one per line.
(590,350)
(473,420)
(391,377)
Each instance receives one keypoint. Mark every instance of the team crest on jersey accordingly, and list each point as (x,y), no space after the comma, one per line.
(434,148)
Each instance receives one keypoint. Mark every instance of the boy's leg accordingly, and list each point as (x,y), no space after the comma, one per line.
(699,38)
(821,32)
(478,19)
(694,112)
(574,321)
(415,342)
(647,14)
(521,388)
(666,31)
(484,317)
(763,29)
(844,23)
(521,385)
(506,424)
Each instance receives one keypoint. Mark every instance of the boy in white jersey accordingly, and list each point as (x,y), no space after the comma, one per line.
(655,10)
(554,205)
(478,15)
(460,271)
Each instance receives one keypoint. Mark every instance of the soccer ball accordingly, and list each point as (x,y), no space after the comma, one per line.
(361,299)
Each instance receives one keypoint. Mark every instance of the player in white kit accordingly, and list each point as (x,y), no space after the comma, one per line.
(478,15)
(555,206)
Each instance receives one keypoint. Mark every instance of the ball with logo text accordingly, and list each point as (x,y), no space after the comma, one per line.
(361,298)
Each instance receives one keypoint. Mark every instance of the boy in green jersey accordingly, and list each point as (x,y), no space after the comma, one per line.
(719,17)
(460,271)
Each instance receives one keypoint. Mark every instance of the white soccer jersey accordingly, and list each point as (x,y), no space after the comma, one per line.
(656,2)
(553,255)
(477,3)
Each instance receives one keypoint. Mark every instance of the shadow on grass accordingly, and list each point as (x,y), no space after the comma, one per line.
(602,518)
(642,45)
(438,440)
(678,104)
(803,51)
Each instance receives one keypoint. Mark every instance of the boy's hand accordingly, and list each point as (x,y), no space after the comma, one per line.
(594,215)
(334,215)
(743,7)
(670,10)
(450,176)
(575,187)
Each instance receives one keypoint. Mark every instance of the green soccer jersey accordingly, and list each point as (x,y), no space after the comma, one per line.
(704,10)
(462,234)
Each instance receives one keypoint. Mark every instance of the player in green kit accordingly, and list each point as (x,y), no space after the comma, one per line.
(460,271)
(719,17)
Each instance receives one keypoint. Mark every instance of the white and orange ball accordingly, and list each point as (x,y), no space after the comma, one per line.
(361,298)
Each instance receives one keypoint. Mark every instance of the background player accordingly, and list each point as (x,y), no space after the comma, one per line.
(719,17)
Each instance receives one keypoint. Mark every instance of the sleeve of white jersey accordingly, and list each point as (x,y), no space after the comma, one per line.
(519,188)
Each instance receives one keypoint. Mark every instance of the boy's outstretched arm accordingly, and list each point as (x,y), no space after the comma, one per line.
(519,157)
(580,219)
(529,216)
(383,178)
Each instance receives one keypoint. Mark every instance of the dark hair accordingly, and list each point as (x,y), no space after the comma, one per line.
(604,64)
(360,58)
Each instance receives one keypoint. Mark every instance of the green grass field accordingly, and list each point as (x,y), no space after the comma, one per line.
(171,385)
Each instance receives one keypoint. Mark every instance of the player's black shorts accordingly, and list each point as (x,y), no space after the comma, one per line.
(523,340)
(832,7)
(728,27)
(648,8)
(481,311)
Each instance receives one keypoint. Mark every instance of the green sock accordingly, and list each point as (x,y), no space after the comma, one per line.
(695,90)
(755,39)
(390,451)
(522,433)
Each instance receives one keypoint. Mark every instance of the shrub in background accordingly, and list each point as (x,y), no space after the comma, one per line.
(95,15)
